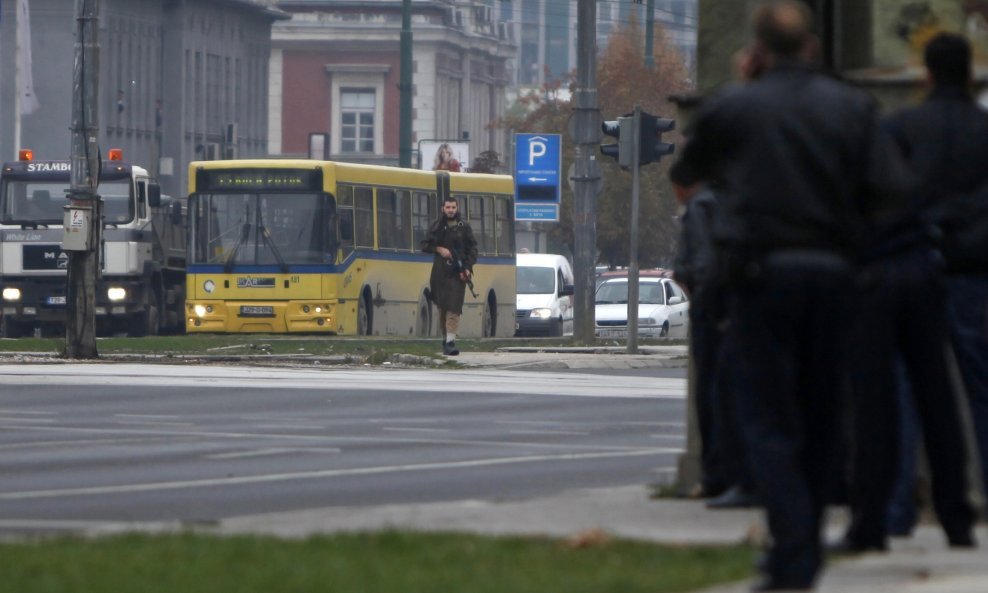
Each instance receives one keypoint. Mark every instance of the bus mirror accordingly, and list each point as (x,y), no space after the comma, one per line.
(154,195)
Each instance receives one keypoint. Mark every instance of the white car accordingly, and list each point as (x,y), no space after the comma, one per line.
(663,308)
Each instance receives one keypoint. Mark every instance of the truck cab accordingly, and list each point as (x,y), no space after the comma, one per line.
(142,252)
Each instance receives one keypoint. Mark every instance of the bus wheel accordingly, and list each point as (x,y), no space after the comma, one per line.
(365,320)
(490,317)
(424,325)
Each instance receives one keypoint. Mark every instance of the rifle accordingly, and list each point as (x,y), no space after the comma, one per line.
(458,268)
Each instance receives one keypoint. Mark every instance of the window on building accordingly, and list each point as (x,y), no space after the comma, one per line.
(357,120)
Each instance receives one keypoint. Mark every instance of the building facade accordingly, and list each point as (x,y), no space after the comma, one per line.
(335,72)
(546,30)
(180,80)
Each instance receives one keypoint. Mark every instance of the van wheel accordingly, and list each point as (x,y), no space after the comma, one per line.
(557,327)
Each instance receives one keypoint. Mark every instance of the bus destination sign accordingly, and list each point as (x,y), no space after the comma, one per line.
(267,179)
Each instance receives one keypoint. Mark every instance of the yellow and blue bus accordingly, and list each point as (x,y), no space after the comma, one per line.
(303,246)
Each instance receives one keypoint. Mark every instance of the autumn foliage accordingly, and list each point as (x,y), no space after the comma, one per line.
(622,81)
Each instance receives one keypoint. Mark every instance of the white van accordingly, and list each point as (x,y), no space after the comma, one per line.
(544,305)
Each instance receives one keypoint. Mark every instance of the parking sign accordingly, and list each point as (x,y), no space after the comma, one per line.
(538,160)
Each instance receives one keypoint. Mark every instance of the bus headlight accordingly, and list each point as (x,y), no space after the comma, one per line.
(541,313)
(12,294)
(115,293)
(200,310)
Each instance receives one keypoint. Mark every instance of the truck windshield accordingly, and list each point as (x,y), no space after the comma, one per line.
(41,202)
(268,229)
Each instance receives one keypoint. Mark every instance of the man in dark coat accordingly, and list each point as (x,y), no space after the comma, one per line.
(945,140)
(451,240)
(802,159)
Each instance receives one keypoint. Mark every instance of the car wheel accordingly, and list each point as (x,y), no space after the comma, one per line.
(665,330)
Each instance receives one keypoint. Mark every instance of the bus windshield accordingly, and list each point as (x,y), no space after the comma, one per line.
(262,229)
(41,202)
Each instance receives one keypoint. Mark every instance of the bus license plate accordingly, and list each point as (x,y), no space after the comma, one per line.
(56,300)
(256,311)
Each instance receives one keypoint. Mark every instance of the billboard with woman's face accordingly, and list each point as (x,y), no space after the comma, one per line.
(444,155)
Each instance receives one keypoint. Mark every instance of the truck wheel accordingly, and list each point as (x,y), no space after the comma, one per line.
(10,328)
(148,323)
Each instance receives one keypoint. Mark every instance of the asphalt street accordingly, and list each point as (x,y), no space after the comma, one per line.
(90,445)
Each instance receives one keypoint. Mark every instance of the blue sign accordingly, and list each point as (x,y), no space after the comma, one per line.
(531,211)
(538,160)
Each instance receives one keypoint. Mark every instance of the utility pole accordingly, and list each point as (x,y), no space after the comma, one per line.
(83,218)
(405,88)
(649,34)
(584,129)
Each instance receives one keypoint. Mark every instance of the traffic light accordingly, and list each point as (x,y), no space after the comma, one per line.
(623,129)
(652,147)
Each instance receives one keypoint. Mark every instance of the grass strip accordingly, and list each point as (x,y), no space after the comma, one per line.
(380,562)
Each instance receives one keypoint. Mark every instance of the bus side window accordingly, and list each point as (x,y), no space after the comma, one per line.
(344,219)
(363,217)
(423,213)
(505,228)
(346,226)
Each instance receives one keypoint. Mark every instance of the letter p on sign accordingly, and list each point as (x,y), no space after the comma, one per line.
(536,149)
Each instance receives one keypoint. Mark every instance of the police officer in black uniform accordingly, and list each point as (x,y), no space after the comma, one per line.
(802,159)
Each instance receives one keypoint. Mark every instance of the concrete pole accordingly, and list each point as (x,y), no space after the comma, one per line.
(633,249)
(649,34)
(585,132)
(83,266)
(405,88)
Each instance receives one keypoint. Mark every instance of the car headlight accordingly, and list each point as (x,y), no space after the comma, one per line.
(12,294)
(116,293)
(649,321)
(541,313)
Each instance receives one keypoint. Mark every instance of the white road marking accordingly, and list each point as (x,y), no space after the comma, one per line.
(321,438)
(26,412)
(28,420)
(272,451)
(318,474)
(348,380)
(550,432)
(412,429)
(147,416)
(290,426)
(152,423)
(77,443)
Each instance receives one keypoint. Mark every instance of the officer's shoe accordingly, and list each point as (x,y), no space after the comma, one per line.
(449,349)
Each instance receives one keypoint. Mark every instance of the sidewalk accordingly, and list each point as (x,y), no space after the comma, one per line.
(921,564)
(576,357)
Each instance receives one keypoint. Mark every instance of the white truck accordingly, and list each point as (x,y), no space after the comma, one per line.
(141,287)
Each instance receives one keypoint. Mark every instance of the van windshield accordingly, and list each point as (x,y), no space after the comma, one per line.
(533,280)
